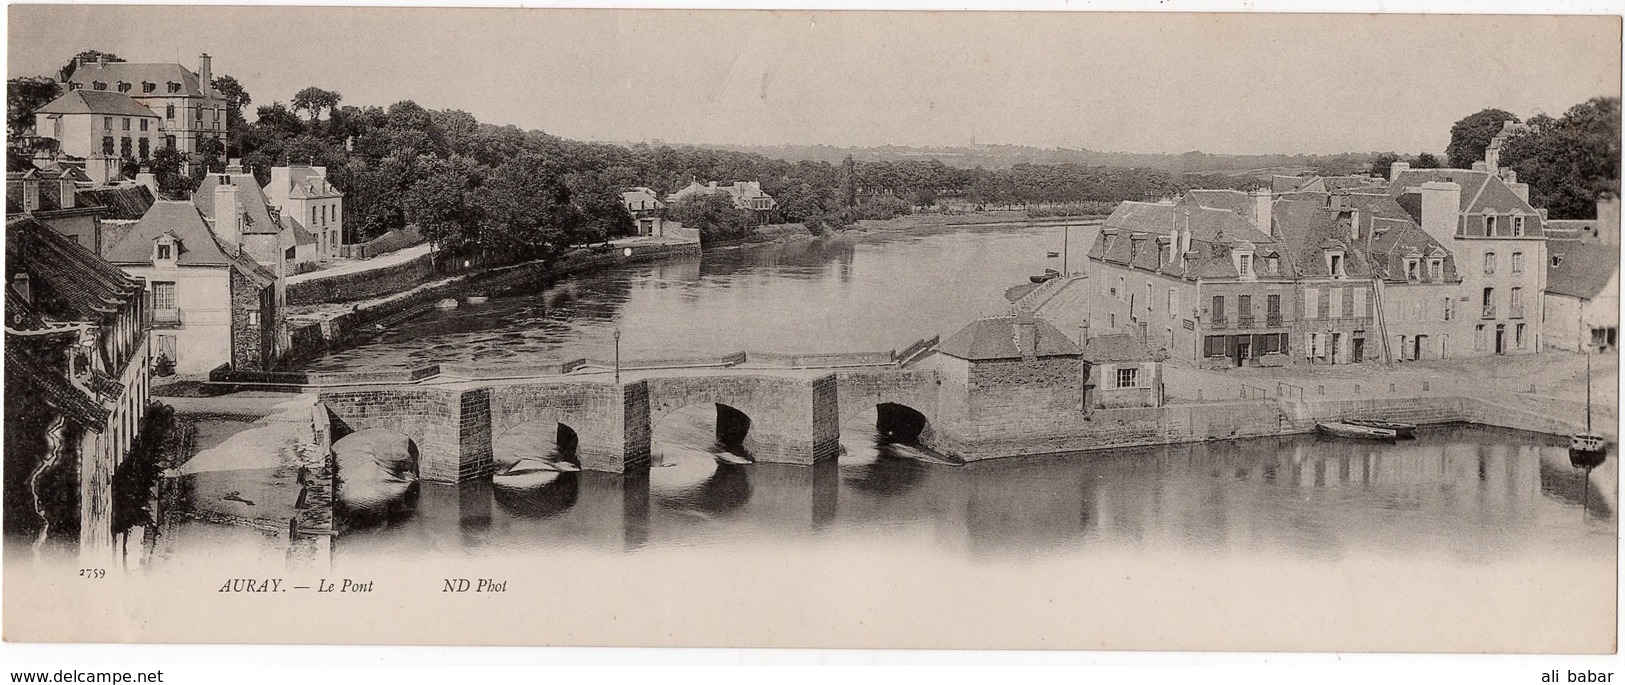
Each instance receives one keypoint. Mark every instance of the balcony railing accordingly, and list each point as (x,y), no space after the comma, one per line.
(166,317)
(1217,323)
(1244,322)
(1489,311)
(1273,321)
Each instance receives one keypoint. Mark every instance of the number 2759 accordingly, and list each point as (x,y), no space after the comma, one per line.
(97,573)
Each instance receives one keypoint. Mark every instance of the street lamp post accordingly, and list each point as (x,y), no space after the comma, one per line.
(617,356)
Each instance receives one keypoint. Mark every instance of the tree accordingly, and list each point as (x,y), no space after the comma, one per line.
(441,203)
(315,100)
(1427,160)
(236,98)
(66,72)
(1471,136)
(1572,161)
(166,165)
(23,97)
(714,214)
(598,202)
(528,206)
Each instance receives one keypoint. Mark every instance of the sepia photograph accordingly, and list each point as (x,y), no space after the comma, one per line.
(812,329)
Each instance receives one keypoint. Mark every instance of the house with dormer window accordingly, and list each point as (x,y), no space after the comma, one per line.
(211,303)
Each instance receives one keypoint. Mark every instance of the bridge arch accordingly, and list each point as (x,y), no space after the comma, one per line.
(776,419)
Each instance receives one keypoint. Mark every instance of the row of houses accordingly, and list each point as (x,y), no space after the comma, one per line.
(1431,264)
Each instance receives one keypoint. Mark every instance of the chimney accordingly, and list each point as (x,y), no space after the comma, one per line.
(205,71)
(1026,334)
(713,185)
(227,217)
(1607,220)
(64,191)
(234,165)
(20,284)
(101,60)
(148,179)
(1263,205)
(1398,168)
(1441,209)
(30,193)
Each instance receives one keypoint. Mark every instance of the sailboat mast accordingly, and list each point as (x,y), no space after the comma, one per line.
(1066,234)
(1588,392)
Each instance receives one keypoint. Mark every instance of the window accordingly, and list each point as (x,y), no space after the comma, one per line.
(169,142)
(1489,224)
(163,295)
(148,86)
(1517,230)
(1515,302)
(1435,270)
(1478,337)
(146,146)
(1517,262)
(1213,346)
(1128,378)
(1449,308)
(1413,270)
(1557,260)
(1245,266)
(1173,302)
(1316,349)
(1348,302)
(1111,319)
(98,85)
(1337,265)
(313,216)
(169,112)
(144,124)
(1218,309)
(1244,309)
(107,123)
(1323,308)
(165,251)
(1517,336)
(1489,262)
(1120,291)
(1272,312)
(1148,306)
(125,147)
(1489,303)
(253,318)
(107,145)
(126,123)
(174,87)
(1309,296)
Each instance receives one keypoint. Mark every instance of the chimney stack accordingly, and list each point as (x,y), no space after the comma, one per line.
(1263,206)
(1441,209)
(205,71)
(1397,168)
(1026,334)
(227,217)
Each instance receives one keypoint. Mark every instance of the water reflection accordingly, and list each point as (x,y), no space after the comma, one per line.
(1463,493)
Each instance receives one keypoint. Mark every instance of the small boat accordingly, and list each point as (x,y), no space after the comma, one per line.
(447,303)
(1343,429)
(1587,450)
(1054,254)
(1403,430)
(1049,275)
(732,459)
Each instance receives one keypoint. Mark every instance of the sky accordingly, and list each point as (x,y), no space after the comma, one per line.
(1222,83)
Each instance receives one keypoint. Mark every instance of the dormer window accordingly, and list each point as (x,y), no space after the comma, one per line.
(1413,269)
(1244,265)
(165,252)
(148,87)
(1517,226)
(174,87)
(98,85)
(1436,269)
(123,86)
(1334,264)
(1489,225)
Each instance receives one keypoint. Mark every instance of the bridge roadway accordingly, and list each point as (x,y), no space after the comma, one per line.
(779,414)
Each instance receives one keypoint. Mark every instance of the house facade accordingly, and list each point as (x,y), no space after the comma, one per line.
(78,378)
(191,113)
(746,195)
(240,216)
(104,125)
(646,209)
(210,305)
(309,203)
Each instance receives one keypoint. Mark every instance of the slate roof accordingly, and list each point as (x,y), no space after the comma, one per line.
(1584,271)
(52,387)
(301,236)
(96,102)
(1307,229)
(197,244)
(70,282)
(136,73)
(305,181)
(1115,347)
(119,203)
(256,208)
(995,338)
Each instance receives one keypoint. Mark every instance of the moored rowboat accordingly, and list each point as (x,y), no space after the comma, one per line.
(1348,430)
(1403,430)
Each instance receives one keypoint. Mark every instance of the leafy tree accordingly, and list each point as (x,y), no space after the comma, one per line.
(315,101)
(1572,161)
(529,207)
(236,98)
(166,165)
(441,203)
(23,97)
(1427,160)
(714,214)
(598,203)
(1470,136)
(278,121)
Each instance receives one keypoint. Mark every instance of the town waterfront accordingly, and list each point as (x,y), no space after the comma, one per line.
(853,292)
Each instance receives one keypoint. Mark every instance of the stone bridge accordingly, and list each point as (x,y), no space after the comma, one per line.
(778,416)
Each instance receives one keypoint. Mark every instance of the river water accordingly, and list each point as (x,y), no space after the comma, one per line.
(851,293)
